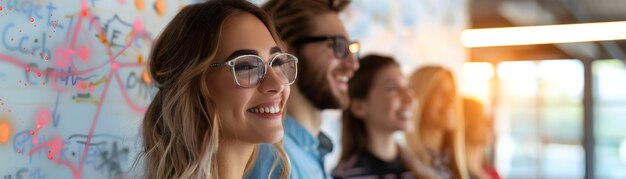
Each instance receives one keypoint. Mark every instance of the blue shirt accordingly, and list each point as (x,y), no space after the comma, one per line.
(303,149)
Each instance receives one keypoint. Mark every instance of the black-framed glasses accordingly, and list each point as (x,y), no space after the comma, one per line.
(341,46)
(249,70)
(334,4)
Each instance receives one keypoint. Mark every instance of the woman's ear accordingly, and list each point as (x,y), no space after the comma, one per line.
(359,108)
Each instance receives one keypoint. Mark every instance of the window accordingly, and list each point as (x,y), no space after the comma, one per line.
(610,118)
(538,116)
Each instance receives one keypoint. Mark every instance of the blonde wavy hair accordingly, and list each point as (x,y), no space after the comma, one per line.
(180,129)
(423,81)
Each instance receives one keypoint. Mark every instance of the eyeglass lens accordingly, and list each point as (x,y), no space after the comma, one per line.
(250,70)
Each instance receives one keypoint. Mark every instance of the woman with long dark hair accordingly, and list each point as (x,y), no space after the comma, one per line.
(381,104)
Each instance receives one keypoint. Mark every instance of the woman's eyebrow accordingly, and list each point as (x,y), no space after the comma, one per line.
(275,49)
(242,52)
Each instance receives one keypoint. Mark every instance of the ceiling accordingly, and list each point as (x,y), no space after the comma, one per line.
(508,13)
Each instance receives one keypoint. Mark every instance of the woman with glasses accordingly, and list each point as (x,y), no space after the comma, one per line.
(223,85)
(381,104)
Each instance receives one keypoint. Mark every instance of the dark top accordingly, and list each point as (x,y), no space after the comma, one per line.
(364,165)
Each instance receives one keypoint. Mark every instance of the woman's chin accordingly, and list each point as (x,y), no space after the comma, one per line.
(272,137)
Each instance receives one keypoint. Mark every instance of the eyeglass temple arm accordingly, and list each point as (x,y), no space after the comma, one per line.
(219,64)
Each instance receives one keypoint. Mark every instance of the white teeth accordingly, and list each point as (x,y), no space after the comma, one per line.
(343,78)
(271,109)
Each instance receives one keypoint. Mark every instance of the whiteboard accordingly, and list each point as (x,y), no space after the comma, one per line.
(72,74)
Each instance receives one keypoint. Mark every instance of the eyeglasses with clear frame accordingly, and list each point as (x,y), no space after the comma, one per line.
(249,70)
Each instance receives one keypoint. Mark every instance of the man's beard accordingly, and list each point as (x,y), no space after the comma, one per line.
(315,88)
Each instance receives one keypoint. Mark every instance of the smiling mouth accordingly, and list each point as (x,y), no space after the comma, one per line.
(343,78)
(343,82)
(275,109)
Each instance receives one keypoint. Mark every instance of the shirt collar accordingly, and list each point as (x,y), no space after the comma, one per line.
(302,137)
